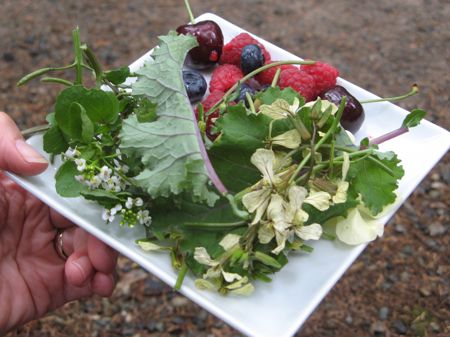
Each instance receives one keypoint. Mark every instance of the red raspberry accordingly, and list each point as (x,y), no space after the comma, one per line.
(224,77)
(231,52)
(266,76)
(324,74)
(299,81)
(212,99)
(208,103)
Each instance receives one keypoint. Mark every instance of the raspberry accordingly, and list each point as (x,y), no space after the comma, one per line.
(266,76)
(208,103)
(224,77)
(212,99)
(231,52)
(324,74)
(300,81)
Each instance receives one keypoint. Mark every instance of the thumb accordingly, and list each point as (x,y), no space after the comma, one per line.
(15,154)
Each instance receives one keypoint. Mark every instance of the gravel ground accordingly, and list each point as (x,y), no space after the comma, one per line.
(400,284)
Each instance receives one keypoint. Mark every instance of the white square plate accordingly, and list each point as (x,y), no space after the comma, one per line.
(280,307)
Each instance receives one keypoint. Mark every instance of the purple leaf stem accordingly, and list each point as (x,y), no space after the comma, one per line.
(388,136)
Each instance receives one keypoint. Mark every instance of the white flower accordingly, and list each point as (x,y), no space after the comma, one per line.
(342,185)
(229,241)
(201,256)
(144,218)
(138,202)
(81,164)
(310,232)
(107,216)
(358,227)
(105,173)
(290,139)
(280,108)
(341,193)
(71,153)
(129,203)
(319,199)
(286,219)
(116,209)
(79,178)
(94,182)
(258,200)
(324,105)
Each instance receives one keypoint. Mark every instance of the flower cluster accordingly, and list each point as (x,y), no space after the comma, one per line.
(277,207)
(110,178)
(131,211)
(107,177)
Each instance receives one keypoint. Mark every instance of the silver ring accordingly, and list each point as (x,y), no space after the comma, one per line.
(59,245)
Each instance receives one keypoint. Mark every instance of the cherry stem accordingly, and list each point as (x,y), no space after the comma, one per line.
(249,76)
(414,90)
(388,136)
(188,7)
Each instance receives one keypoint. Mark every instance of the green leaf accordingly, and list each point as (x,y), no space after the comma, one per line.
(230,155)
(372,181)
(413,118)
(241,135)
(169,147)
(54,141)
(145,110)
(271,94)
(87,127)
(104,198)
(118,76)
(101,107)
(66,184)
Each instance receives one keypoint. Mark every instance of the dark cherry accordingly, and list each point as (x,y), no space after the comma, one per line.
(353,115)
(210,40)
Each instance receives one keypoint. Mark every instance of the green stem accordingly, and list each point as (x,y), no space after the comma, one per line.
(40,72)
(414,90)
(330,131)
(78,56)
(249,76)
(56,80)
(35,129)
(215,225)
(94,64)
(275,78)
(181,275)
(188,7)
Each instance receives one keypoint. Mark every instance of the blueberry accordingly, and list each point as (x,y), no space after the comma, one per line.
(252,58)
(242,93)
(195,85)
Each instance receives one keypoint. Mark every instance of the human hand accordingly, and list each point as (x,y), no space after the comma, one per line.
(34,279)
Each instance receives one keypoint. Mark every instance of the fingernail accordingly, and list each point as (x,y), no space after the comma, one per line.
(83,264)
(28,153)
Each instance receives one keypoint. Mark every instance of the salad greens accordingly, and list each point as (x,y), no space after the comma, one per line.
(280,173)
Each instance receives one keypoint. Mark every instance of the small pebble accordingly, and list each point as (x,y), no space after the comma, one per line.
(400,327)
(425,291)
(8,57)
(349,319)
(383,313)
(435,327)
(399,228)
(436,228)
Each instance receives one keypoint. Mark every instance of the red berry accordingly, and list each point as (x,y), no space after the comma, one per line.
(208,103)
(324,74)
(224,77)
(266,76)
(231,52)
(300,81)
(212,99)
